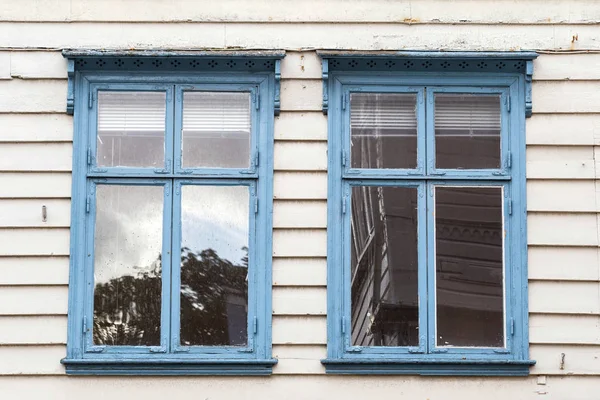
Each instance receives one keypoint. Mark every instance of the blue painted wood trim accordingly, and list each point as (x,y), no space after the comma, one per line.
(168,367)
(509,55)
(325,78)
(483,361)
(520,62)
(427,368)
(528,84)
(277,97)
(159,61)
(71,86)
(203,361)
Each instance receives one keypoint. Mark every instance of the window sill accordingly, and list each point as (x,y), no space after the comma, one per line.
(427,367)
(168,367)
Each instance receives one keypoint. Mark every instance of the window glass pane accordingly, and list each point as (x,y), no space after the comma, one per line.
(385,301)
(127,265)
(469,266)
(467,131)
(216,129)
(214,265)
(383,130)
(131,129)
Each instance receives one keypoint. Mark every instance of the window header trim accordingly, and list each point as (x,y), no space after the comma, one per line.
(184,61)
(513,62)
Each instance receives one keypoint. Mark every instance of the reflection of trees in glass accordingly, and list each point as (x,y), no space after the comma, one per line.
(214,294)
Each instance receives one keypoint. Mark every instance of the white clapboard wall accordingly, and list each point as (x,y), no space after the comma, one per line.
(563,136)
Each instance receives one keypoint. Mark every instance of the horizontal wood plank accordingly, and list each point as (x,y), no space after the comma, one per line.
(299,301)
(578,360)
(301,95)
(566,97)
(300,156)
(297,387)
(564,263)
(33,96)
(53,157)
(301,65)
(564,329)
(34,270)
(36,128)
(299,360)
(554,162)
(567,67)
(298,36)
(562,229)
(30,330)
(434,11)
(35,185)
(38,64)
(562,196)
(299,330)
(303,125)
(298,185)
(29,213)
(34,242)
(300,271)
(299,243)
(563,129)
(564,297)
(299,214)
(33,300)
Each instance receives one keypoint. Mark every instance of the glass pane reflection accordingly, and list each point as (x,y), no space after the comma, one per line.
(383,130)
(127,265)
(216,129)
(131,129)
(385,301)
(214,265)
(469,270)
(467,131)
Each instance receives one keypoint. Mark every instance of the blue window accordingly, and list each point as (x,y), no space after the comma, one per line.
(171,213)
(427,250)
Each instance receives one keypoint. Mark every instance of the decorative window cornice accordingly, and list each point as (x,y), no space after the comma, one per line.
(440,62)
(159,61)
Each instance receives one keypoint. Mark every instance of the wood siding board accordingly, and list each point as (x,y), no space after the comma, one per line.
(300,272)
(35,185)
(33,96)
(33,300)
(303,125)
(28,213)
(38,65)
(428,11)
(563,129)
(32,330)
(568,196)
(563,263)
(555,297)
(575,229)
(299,301)
(34,271)
(300,156)
(34,242)
(299,36)
(36,128)
(299,186)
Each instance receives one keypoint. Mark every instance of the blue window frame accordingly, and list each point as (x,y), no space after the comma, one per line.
(427,271)
(171,212)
